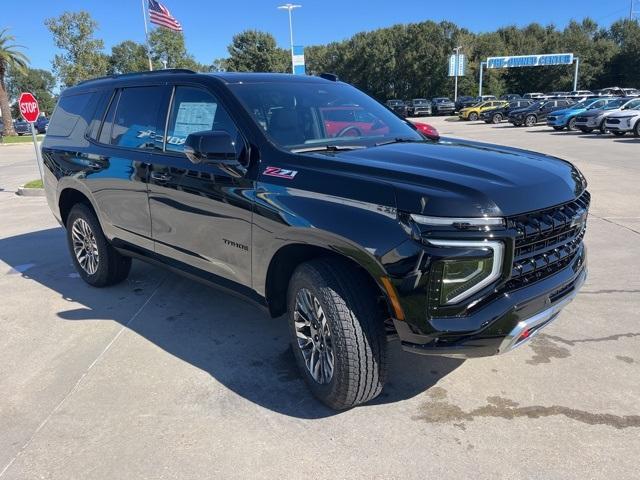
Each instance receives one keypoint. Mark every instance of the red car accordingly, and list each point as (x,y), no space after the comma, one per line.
(351,122)
(427,130)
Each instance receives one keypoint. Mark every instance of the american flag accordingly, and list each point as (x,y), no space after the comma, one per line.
(160,15)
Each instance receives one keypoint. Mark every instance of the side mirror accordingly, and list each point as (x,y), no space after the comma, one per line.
(215,147)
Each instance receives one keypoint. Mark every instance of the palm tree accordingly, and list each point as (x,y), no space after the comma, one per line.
(10,58)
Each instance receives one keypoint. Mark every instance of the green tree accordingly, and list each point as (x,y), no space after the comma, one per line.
(73,32)
(255,51)
(167,45)
(127,57)
(624,69)
(39,82)
(10,59)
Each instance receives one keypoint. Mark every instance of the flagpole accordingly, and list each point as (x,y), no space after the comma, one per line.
(146,34)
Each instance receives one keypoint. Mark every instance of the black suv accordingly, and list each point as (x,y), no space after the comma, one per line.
(497,115)
(537,112)
(357,228)
(398,106)
(419,107)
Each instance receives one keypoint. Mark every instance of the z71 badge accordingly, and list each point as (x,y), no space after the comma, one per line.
(280,172)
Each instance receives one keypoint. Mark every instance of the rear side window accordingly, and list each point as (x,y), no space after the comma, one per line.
(66,115)
(136,120)
(195,110)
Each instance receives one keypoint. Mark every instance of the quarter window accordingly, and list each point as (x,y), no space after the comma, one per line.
(195,110)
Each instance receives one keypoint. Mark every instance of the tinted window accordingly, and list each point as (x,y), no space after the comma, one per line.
(135,124)
(105,131)
(195,110)
(67,113)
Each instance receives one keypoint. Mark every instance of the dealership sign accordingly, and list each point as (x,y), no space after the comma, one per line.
(298,60)
(457,63)
(530,60)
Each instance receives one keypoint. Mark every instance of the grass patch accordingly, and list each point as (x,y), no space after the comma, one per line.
(19,139)
(34,184)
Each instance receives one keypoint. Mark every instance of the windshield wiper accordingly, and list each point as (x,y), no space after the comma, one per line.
(327,148)
(398,140)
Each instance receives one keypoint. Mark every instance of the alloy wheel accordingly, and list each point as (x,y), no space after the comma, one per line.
(314,336)
(85,246)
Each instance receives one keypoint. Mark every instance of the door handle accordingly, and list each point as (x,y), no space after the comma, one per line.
(160,177)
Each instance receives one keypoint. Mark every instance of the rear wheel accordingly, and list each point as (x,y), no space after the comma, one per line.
(636,129)
(473,116)
(97,262)
(530,121)
(337,332)
(497,118)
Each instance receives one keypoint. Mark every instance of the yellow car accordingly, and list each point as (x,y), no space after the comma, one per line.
(473,113)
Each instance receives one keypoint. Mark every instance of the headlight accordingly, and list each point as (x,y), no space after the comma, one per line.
(454,279)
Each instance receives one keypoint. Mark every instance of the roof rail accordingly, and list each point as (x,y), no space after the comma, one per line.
(332,77)
(134,74)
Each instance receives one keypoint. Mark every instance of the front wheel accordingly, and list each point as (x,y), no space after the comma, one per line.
(636,129)
(530,121)
(337,332)
(473,116)
(97,262)
(571,126)
(497,118)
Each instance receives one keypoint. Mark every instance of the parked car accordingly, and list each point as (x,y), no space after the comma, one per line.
(398,106)
(631,92)
(442,106)
(566,118)
(557,94)
(610,92)
(41,124)
(536,95)
(473,113)
(537,112)
(427,130)
(465,101)
(419,107)
(628,120)
(595,119)
(351,121)
(510,96)
(21,127)
(232,179)
(579,95)
(497,115)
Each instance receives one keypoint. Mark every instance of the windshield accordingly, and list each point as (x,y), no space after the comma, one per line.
(295,115)
(441,100)
(420,102)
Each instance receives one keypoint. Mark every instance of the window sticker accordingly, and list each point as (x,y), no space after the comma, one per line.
(192,117)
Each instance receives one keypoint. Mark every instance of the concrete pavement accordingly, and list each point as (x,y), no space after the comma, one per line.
(161,377)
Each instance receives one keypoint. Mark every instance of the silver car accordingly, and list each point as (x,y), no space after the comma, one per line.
(624,121)
(595,119)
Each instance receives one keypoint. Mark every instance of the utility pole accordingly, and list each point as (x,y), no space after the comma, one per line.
(457,69)
(290,7)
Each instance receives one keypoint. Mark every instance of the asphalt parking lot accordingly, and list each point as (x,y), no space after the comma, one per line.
(161,377)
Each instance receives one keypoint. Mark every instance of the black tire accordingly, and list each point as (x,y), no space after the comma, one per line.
(112,267)
(473,116)
(496,118)
(636,129)
(356,326)
(557,129)
(571,126)
(586,129)
(603,127)
(618,134)
(530,121)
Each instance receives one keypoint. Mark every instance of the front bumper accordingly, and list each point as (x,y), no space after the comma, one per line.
(557,121)
(504,324)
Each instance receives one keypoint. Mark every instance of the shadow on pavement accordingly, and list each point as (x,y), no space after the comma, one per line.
(229,338)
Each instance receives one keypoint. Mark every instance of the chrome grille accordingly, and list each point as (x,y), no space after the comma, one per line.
(547,240)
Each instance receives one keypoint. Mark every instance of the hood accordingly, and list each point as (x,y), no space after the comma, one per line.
(625,113)
(568,111)
(456,178)
(594,113)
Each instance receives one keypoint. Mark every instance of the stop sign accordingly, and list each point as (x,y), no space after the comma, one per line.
(29,107)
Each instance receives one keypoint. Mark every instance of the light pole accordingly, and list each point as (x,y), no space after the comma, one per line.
(456,68)
(290,7)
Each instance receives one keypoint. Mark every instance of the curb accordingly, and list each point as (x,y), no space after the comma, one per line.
(30,192)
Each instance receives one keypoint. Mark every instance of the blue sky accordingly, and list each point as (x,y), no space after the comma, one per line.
(210,24)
